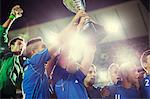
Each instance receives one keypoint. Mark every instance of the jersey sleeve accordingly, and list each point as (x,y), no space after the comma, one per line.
(41,57)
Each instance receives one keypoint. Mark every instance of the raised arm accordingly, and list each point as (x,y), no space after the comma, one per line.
(16,12)
(88,58)
(73,27)
(68,32)
(64,36)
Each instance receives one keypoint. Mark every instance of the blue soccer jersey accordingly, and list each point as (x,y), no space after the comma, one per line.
(69,86)
(145,87)
(35,82)
(119,92)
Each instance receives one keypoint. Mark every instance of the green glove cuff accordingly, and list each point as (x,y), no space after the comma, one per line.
(12,17)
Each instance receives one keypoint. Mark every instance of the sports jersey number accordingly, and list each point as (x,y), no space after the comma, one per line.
(117,96)
(147,82)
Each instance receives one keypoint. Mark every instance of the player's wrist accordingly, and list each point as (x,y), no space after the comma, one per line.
(12,17)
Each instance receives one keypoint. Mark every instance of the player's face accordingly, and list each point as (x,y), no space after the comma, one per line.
(141,75)
(41,46)
(114,74)
(18,47)
(148,63)
(148,59)
(90,78)
(133,75)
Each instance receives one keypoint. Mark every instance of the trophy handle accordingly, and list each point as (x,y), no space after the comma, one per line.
(74,5)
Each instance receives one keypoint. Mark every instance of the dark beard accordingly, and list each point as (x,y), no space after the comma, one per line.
(91,83)
(17,53)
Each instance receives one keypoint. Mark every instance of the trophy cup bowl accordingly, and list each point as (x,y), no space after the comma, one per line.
(74,5)
(90,28)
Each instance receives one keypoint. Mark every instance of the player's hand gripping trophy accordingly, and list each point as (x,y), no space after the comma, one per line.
(90,28)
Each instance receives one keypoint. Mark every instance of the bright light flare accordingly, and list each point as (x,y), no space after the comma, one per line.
(76,47)
(112,25)
(126,54)
(103,76)
(52,39)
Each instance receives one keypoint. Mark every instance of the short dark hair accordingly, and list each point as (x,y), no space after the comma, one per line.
(12,41)
(34,40)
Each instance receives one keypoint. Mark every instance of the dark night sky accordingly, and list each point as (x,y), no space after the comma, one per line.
(39,11)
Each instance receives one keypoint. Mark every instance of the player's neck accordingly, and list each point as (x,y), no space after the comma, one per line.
(87,85)
(148,69)
(148,73)
(126,84)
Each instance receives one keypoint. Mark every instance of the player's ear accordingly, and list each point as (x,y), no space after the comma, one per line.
(32,52)
(12,47)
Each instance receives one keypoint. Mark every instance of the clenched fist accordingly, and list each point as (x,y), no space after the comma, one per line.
(16,11)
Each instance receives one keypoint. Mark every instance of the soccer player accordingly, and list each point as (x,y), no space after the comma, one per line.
(89,82)
(113,72)
(69,81)
(68,76)
(36,73)
(115,79)
(127,89)
(35,81)
(145,86)
(10,68)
